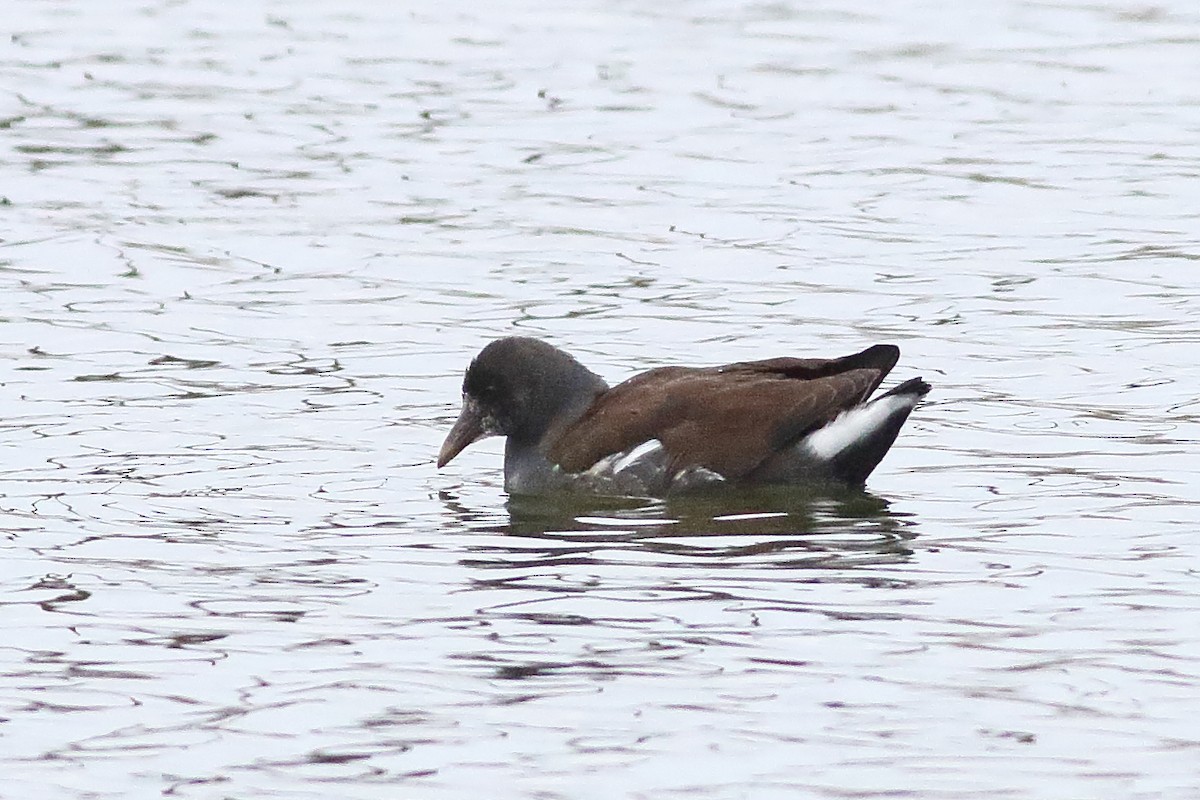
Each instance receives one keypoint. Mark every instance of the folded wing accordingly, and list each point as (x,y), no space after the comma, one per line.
(727,419)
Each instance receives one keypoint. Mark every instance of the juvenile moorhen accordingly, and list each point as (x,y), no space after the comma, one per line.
(672,429)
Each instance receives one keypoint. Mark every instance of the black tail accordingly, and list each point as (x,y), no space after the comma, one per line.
(856,462)
(911,386)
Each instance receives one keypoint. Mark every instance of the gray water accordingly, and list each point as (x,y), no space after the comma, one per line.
(248,249)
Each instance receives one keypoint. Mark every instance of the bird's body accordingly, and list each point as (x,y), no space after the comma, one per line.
(673,429)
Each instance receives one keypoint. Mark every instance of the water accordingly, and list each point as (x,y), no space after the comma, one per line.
(248,249)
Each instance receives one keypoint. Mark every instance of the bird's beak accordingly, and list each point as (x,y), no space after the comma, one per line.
(471,426)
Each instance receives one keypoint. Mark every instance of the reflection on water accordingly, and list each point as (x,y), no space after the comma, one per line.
(594,573)
(785,527)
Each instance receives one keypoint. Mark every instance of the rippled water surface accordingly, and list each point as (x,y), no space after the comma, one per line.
(247,250)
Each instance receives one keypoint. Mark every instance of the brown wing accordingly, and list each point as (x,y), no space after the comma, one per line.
(728,419)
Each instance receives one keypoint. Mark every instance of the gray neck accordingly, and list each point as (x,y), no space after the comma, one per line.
(526,468)
(527,471)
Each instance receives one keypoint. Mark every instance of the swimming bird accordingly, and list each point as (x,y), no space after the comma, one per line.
(677,429)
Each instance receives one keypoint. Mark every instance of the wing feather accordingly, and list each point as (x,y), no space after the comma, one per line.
(727,419)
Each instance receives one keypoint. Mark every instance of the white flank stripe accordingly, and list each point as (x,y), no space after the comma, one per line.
(854,425)
(614,464)
(631,456)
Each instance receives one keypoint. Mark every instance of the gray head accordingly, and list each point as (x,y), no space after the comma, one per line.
(518,387)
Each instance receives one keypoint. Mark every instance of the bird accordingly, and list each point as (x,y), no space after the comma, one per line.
(674,429)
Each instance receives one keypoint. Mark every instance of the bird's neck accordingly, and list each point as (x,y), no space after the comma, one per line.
(527,470)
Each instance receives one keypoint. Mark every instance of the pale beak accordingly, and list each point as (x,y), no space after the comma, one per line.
(471,426)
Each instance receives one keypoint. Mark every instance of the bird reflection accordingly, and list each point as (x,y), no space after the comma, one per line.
(780,526)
